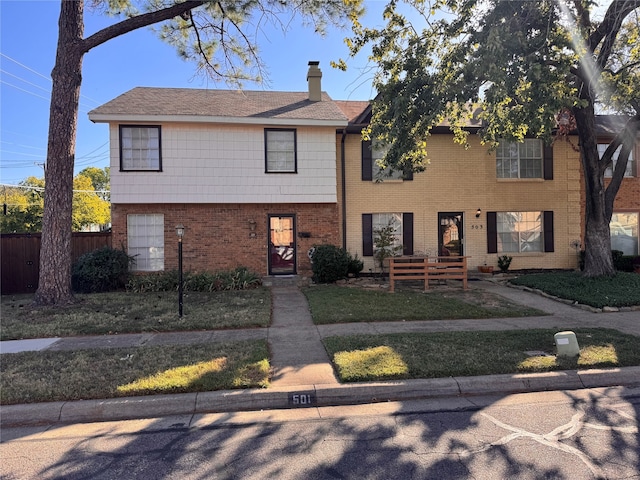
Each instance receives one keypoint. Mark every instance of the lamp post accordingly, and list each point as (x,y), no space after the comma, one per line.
(180,233)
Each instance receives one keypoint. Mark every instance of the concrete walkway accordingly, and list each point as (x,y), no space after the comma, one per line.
(301,366)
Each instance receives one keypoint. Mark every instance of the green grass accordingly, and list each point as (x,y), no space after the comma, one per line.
(337,304)
(433,355)
(124,312)
(621,290)
(108,373)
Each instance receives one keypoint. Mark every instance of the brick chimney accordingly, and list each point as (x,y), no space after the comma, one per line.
(313,77)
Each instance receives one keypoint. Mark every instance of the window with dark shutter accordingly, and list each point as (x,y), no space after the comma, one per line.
(407,233)
(367,162)
(492,233)
(548,162)
(367,235)
(547,227)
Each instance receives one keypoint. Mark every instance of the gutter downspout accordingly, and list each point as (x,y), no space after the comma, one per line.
(344,189)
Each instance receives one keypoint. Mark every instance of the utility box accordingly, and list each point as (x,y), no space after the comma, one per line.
(566,344)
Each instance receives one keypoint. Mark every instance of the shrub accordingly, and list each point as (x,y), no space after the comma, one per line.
(329,263)
(504,262)
(101,270)
(240,278)
(355,265)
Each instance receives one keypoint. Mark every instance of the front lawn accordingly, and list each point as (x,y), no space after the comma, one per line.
(115,372)
(621,290)
(339,304)
(126,312)
(445,354)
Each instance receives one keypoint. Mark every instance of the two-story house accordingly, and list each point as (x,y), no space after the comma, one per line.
(522,200)
(257,178)
(251,175)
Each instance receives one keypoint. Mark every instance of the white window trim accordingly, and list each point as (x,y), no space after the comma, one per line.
(608,173)
(520,234)
(509,145)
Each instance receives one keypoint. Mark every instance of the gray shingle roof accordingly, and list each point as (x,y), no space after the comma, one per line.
(149,102)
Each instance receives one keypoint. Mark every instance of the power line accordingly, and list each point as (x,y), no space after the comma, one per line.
(40,189)
(40,74)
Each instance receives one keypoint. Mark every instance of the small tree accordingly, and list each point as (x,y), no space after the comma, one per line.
(384,242)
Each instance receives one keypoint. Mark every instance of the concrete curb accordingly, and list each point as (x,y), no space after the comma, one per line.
(84,411)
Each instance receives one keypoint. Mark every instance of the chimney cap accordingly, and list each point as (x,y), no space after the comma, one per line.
(313,62)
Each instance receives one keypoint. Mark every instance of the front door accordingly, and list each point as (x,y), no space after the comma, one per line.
(282,244)
(450,234)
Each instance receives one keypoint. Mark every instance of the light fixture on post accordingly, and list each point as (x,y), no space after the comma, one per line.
(478,212)
(180,233)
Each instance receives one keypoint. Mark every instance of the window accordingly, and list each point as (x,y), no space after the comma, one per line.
(371,170)
(609,171)
(402,228)
(378,173)
(140,148)
(624,233)
(280,151)
(520,160)
(520,232)
(145,238)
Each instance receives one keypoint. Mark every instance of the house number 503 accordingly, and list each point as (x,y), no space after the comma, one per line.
(476,227)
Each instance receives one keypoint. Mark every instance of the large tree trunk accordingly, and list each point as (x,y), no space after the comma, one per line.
(55,252)
(597,242)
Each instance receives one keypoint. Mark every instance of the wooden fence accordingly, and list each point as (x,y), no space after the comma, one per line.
(427,268)
(21,257)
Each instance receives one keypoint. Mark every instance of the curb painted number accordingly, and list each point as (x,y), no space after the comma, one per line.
(302,399)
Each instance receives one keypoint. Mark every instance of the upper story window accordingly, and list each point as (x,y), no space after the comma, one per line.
(371,170)
(520,160)
(379,173)
(608,173)
(140,148)
(280,150)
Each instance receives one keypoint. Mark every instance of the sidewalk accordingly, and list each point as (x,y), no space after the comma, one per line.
(302,375)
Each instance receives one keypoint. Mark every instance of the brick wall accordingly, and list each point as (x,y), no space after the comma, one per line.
(219,236)
(464,180)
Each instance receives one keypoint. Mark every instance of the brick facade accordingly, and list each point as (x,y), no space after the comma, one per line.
(220,236)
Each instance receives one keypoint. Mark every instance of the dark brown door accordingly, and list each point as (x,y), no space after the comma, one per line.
(450,234)
(282,244)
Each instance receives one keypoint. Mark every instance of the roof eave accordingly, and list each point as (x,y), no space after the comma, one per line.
(113,118)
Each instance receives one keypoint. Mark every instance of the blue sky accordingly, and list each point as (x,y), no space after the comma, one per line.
(28,37)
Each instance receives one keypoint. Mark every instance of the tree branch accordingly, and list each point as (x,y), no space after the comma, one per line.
(137,22)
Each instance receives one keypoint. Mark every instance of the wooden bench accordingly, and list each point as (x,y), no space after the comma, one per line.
(427,268)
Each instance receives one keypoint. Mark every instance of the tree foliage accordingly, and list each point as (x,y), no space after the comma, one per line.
(221,36)
(25,205)
(523,62)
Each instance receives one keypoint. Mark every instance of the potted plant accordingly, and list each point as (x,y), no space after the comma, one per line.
(485,268)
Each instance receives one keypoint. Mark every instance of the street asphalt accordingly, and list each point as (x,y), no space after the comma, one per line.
(302,375)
